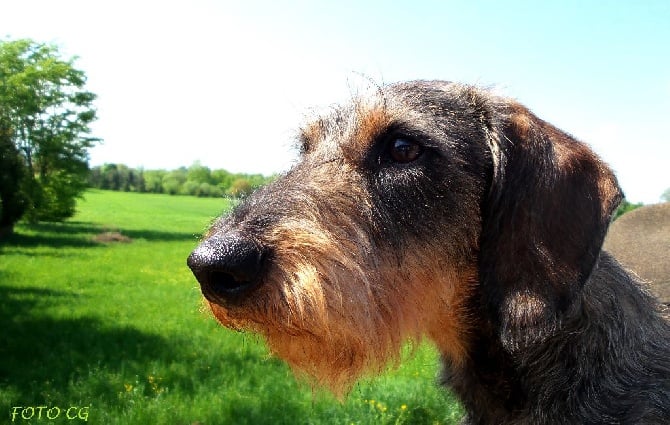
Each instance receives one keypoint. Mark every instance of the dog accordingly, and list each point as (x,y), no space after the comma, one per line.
(438,210)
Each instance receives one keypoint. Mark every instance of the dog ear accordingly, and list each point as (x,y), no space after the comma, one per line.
(543,224)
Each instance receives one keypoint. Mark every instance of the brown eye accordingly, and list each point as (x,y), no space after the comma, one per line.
(403,151)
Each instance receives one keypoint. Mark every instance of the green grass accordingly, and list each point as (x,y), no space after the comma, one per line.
(119,328)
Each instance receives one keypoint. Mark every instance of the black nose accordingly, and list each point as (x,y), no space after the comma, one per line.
(227,266)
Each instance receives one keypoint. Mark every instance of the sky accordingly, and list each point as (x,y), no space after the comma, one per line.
(227,83)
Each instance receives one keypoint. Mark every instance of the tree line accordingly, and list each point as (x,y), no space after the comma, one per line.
(196,180)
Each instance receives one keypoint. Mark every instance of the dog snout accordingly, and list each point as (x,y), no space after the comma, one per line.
(228,266)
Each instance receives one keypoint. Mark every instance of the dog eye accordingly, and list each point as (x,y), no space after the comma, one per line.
(403,151)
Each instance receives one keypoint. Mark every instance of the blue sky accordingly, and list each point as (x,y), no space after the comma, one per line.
(228,82)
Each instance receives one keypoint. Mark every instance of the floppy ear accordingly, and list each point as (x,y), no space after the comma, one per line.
(544,222)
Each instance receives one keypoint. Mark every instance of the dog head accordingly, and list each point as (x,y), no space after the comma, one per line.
(408,207)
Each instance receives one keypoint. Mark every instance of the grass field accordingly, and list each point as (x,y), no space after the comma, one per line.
(116,331)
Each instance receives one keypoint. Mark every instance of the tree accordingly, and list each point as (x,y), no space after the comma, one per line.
(199,173)
(665,197)
(153,181)
(223,179)
(173,181)
(625,207)
(240,188)
(13,201)
(45,115)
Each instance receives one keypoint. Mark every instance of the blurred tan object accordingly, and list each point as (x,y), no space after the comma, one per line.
(640,240)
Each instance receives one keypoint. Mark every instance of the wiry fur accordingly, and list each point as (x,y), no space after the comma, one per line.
(332,306)
(489,244)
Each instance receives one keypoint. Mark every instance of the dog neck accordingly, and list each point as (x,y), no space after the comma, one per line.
(594,360)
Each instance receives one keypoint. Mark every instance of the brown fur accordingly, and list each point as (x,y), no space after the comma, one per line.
(330,307)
